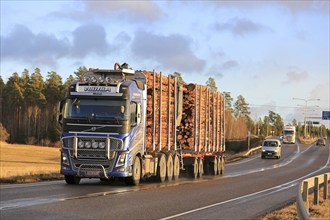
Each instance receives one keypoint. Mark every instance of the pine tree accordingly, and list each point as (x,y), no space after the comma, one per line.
(80,71)
(241,107)
(179,76)
(212,84)
(12,102)
(228,101)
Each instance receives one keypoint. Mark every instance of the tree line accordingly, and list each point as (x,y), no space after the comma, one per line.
(28,107)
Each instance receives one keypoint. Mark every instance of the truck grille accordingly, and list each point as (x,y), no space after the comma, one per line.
(88,152)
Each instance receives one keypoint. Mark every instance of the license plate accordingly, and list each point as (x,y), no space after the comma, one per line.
(92,173)
(269,153)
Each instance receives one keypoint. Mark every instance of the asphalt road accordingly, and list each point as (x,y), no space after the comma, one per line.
(249,189)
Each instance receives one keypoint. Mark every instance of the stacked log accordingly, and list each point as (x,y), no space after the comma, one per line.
(202,126)
(160,112)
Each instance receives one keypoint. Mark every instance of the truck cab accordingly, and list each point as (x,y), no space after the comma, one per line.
(102,124)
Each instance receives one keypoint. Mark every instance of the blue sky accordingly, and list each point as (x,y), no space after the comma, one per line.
(267,51)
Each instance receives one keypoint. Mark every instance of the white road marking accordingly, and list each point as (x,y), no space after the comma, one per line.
(277,188)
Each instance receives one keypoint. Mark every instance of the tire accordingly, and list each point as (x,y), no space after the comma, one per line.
(214,169)
(72,180)
(134,180)
(169,168)
(200,168)
(195,168)
(222,165)
(176,167)
(161,169)
(102,179)
(219,166)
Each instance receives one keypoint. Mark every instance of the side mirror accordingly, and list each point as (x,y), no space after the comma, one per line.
(59,115)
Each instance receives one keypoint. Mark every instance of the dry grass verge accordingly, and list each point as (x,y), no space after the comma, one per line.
(28,163)
(316,212)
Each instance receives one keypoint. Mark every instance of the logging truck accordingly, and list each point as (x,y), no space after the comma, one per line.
(134,125)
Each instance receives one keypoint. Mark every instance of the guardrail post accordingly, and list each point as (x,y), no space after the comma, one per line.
(305,195)
(325,184)
(316,191)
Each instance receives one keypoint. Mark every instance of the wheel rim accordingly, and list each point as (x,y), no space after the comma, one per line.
(169,168)
(195,168)
(200,168)
(162,168)
(215,166)
(176,167)
(219,166)
(136,170)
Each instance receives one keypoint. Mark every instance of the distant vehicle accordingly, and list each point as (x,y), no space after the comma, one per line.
(320,141)
(281,138)
(289,134)
(271,148)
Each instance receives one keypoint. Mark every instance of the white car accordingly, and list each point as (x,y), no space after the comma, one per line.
(271,148)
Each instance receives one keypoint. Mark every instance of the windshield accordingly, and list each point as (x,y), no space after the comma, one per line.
(270,144)
(95,109)
(288,132)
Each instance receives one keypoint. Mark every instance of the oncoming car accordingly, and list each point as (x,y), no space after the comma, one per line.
(271,148)
(320,141)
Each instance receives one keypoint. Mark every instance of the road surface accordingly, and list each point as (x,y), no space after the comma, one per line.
(250,188)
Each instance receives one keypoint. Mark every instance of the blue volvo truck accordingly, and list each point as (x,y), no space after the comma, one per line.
(122,123)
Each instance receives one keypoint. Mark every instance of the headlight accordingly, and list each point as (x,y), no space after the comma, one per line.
(263,150)
(93,79)
(86,79)
(101,79)
(101,145)
(108,79)
(65,159)
(121,160)
(88,144)
(95,144)
(81,144)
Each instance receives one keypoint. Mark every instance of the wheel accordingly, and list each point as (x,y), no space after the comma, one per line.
(169,168)
(72,180)
(214,166)
(195,168)
(176,167)
(134,180)
(262,157)
(161,169)
(200,168)
(222,171)
(219,166)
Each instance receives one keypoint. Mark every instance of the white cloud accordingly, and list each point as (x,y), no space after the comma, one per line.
(241,27)
(171,52)
(89,39)
(295,76)
(22,44)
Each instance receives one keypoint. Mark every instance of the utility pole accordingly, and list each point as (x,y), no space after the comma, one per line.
(305,110)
